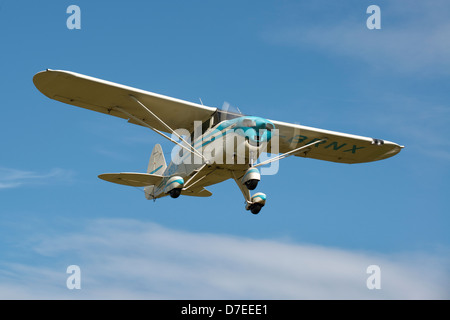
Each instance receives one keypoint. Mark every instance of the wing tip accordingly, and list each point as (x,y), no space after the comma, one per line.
(42,79)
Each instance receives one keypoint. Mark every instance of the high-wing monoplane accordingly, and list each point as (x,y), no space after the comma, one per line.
(213,145)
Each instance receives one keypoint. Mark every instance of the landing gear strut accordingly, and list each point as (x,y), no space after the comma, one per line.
(253,203)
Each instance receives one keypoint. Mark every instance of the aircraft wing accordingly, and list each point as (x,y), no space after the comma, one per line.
(337,146)
(103,96)
(132,179)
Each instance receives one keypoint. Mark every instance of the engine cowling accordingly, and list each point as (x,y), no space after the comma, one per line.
(259,198)
(175,182)
(257,202)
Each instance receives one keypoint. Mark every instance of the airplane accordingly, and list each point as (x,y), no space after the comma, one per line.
(214,145)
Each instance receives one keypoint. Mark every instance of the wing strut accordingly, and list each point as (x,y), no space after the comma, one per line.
(244,190)
(186,184)
(191,149)
(290,153)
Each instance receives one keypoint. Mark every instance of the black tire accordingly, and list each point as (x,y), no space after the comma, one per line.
(255,208)
(251,184)
(175,193)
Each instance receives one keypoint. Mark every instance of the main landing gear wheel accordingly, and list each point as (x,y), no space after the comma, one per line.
(251,184)
(175,193)
(255,208)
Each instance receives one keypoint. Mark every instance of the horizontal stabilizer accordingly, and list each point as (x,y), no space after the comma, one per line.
(132,179)
(198,192)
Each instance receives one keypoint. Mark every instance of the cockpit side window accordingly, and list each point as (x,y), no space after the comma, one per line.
(205,126)
(222,115)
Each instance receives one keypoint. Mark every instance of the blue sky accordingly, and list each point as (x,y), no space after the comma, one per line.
(312,63)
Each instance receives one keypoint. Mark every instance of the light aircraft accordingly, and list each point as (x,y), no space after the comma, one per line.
(215,144)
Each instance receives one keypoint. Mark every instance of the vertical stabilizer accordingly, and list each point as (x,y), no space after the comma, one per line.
(156,165)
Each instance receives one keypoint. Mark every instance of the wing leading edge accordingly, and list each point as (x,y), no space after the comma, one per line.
(336,146)
(103,96)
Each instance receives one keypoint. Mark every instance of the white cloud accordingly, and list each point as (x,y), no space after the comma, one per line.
(13,178)
(412,43)
(123,259)
(413,37)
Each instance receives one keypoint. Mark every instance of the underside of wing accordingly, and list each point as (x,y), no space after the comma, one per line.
(109,98)
(333,146)
(208,176)
(132,179)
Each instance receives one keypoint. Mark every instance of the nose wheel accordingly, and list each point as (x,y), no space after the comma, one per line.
(175,193)
(251,184)
(253,203)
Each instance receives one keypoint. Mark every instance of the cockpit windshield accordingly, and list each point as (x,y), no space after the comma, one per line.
(227,112)
(248,123)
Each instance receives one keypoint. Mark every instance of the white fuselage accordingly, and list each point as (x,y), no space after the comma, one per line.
(231,144)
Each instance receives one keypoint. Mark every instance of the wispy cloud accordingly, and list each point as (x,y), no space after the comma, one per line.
(14,178)
(111,154)
(413,38)
(122,259)
(412,42)
(416,122)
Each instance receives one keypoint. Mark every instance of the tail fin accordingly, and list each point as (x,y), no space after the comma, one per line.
(156,165)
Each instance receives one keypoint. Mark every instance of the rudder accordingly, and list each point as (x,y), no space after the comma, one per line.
(156,165)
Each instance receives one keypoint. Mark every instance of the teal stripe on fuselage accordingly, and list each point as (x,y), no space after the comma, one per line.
(220,131)
(228,123)
(219,128)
